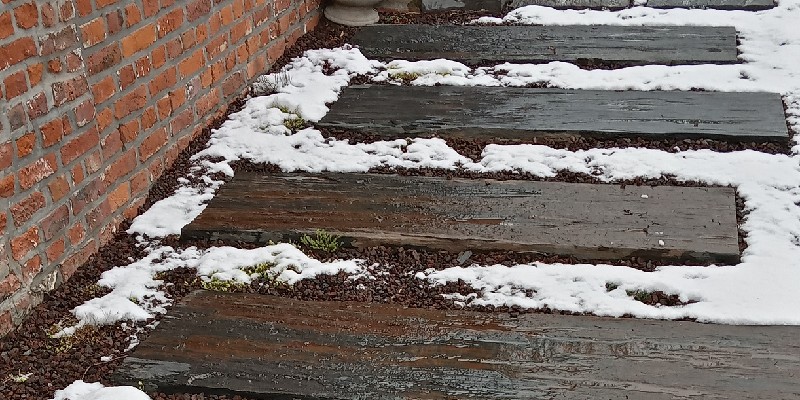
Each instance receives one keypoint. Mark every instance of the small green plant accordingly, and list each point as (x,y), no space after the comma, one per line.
(218,285)
(62,341)
(294,123)
(611,286)
(640,295)
(403,75)
(322,241)
(20,377)
(263,271)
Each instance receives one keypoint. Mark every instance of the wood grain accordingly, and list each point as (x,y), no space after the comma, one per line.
(586,221)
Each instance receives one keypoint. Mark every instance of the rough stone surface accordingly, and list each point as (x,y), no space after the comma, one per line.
(514,113)
(593,4)
(264,346)
(751,5)
(472,5)
(588,221)
(632,45)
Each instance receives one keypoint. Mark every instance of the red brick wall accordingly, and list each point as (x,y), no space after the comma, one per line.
(97,97)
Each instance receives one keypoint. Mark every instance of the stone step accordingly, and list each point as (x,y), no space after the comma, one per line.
(262,346)
(527,113)
(586,221)
(497,6)
(749,5)
(617,45)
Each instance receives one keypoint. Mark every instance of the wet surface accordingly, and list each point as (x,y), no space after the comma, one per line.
(628,45)
(265,346)
(587,221)
(524,113)
(750,5)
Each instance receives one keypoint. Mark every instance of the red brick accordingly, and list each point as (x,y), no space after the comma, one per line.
(120,196)
(6,155)
(53,131)
(6,27)
(151,7)
(24,243)
(86,195)
(77,173)
(76,234)
(131,102)
(7,186)
(207,102)
(67,11)
(35,73)
(59,187)
(111,144)
(241,30)
(24,210)
(30,269)
(217,46)
(164,106)
(3,224)
(129,131)
(74,61)
(69,90)
(84,7)
(97,215)
(36,171)
(149,117)
(197,9)
(152,144)
(104,89)
(84,112)
(201,33)
(104,59)
(55,250)
(25,144)
(188,39)
(55,65)
(159,56)
(181,121)
(93,162)
(27,15)
(93,32)
(115,22)
(142,67)
(170,22)
(71,264)
(49,17)
(140,181)
(37,105)
(79,146)
(174,48)
(132,15)
(191,64)
(53,224)
(139,40)
(6,322)
(16,51)
(166,79)
(17,117)
(177,97)
(126,76)
(8,286)
(233,84)
(15,84)
(104,119)
(59,41)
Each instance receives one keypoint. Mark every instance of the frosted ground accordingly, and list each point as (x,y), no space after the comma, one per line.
(762,289)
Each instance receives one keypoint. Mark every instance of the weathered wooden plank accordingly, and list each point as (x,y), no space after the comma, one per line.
(611,44)
(587,221)
(265,346)
(525,113)
(575,4)
(495,6)
(750,5)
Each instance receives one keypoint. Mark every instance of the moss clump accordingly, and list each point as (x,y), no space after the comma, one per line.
(322,241)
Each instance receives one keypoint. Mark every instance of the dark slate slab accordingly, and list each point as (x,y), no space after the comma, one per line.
(574,4)
(620,45)
(522,113)
(268,347)
(750,5)
(495,6)
(586,221)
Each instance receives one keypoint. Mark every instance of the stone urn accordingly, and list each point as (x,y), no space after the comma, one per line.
(352,12)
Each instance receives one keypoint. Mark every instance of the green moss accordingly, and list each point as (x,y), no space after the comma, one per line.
(322,241)
(403,75)
(218,285)
(640,295)
(294,123)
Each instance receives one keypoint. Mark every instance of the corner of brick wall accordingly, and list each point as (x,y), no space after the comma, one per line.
(98,97)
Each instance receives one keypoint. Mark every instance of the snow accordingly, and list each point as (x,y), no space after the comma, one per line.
(80,390)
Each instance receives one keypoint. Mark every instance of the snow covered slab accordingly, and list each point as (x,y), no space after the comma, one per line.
(579,4)
(524,113)
(627,45)
(750,5)
(587,221)
(271,347)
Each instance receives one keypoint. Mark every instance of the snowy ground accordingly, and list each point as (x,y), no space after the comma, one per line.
(762,289)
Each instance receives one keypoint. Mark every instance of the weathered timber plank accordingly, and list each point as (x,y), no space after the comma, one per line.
(750,5)
(265,346)
(586,221)
(525,113)
(613,44)
(575,4)
(495,6)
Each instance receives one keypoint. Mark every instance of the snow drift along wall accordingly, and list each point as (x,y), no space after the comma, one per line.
(97,97)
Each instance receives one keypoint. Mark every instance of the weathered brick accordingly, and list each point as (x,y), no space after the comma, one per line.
(7,186)
(25,144)
(54,223)
(53,131)
(22,245)
(207,102)
(49,17)
(37,105)
(241,30)
(74,61)
(76,233)
(129,131)
(120,196)
(30,269)
(15,84)
(17,117)
(149,118)
(197,9)
(165,80)
(8,286)
(6,27)
(182,121)
(55,65)
(58,187)
(233,84)
(55,250)
(152,144)
(86,195)
(17,51)
(27,15)
(115,22)
(217,46)
(188,39)
(59,41)
(79,146)
(97,215)
(127,76)
(191,64)
(77,173)
(131,102)
(93,32)
(6,154)
(35,73)
(84,112)
(142,67)
(138,40)
(111,144)
(151,7)
(69,90)
(132,15)
(170,22)
(71,264)
(84,7)
(104,89)
(104,59)
(67,11)
(36,171)
(104,119)
(24,210)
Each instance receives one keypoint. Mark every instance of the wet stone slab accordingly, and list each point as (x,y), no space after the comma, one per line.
(575,4)
(750,5)
(625,45)
(270,347)
(526,113)
(469,5)
(587,221)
